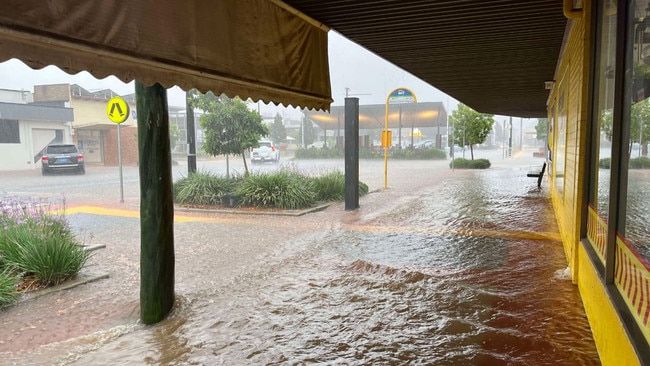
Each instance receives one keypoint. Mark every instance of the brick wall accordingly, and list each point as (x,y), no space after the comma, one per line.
(53,92)
(129,142)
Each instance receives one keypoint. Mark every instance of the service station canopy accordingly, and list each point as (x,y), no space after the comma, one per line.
(259,49)
(372,116)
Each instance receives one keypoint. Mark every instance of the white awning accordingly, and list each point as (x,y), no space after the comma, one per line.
(258,49)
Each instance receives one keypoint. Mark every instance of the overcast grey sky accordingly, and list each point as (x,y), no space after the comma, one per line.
(369,78)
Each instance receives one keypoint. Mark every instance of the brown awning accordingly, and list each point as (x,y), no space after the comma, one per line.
(492,55)
(258,49)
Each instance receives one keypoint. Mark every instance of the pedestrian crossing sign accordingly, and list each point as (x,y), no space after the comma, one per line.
(117,110)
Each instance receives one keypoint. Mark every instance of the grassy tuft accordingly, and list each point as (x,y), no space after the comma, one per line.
(203,188)
(282,189)
(36,240)
(461,163)
(329,186)
(8,283)
(52,259)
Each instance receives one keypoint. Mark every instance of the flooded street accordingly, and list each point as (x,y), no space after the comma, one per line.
(443,268)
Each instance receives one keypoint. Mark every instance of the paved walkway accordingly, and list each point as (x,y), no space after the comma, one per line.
(109,307)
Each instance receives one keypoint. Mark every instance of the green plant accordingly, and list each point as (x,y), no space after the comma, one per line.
(460,163)
(202,188)
(318,154)
(282,189)
(329,186)
(419,154)
(8,283)
(641,162)
(605,163)
(36,240)
(53,259)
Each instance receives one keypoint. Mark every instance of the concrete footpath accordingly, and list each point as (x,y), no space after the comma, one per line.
(43,325)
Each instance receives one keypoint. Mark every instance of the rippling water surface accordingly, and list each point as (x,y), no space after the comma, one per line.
(463,275)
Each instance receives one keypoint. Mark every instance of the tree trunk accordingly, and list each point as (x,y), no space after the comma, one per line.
(156,204)
(243,156)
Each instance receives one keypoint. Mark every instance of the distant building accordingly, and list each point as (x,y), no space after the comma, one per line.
(26,128)
(68,113)
(94,133)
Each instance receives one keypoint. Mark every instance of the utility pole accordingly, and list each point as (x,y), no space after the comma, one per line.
(191,133)
(521,134)
(510,139)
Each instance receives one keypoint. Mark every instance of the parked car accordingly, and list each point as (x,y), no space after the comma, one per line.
(62,157)
(457,153)
(426,144)
(267,151)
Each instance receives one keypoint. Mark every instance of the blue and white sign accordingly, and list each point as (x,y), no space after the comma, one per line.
(402,95)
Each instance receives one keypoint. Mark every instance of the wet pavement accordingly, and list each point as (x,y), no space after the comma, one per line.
(443,268)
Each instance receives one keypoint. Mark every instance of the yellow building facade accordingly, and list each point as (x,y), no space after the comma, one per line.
(598,113)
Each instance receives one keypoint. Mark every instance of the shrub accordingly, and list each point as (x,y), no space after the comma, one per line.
(53,259)
(286,189)
(202,188)
(419,154)
(36,240)
(331,187)
(460,163)
(8,283)
(605,163)
(283,189)
(641,162)
(319,154)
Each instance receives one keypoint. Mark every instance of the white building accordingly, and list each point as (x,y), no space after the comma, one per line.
(25,129)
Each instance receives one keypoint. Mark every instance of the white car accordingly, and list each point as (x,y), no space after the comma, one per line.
(267,151)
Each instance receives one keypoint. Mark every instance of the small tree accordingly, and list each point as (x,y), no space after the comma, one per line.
(278,132)
(542,128)
(470,127)
(230,127)
(639,123)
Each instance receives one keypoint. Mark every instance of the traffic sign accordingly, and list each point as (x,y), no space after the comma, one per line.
(117,110)
(401,95)
(397,96)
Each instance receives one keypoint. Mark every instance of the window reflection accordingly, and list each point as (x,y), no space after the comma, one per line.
(604,104)
(637,213)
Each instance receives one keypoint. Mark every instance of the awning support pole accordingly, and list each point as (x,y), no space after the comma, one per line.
(351,154)
(156,204)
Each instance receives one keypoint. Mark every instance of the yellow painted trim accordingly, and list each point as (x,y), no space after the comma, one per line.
(505,234)
(631,279)
(614,346)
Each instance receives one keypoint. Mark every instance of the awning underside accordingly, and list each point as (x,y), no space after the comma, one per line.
(254,49)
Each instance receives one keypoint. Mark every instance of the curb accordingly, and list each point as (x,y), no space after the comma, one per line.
(246,212)
(81,279)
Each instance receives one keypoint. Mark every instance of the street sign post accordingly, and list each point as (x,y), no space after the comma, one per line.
(118,111)
(397,96)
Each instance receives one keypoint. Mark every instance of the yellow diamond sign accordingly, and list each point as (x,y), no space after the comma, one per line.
(117,110)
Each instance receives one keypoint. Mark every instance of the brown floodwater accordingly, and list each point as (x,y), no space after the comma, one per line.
(471,272)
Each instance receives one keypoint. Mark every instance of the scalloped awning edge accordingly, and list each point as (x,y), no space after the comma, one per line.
(294,73)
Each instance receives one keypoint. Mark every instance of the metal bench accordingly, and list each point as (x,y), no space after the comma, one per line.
(539,175)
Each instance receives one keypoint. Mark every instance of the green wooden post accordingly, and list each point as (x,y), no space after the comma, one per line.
(156,207)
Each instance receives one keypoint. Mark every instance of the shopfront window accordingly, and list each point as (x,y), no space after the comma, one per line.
(637,211)
(604,104)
